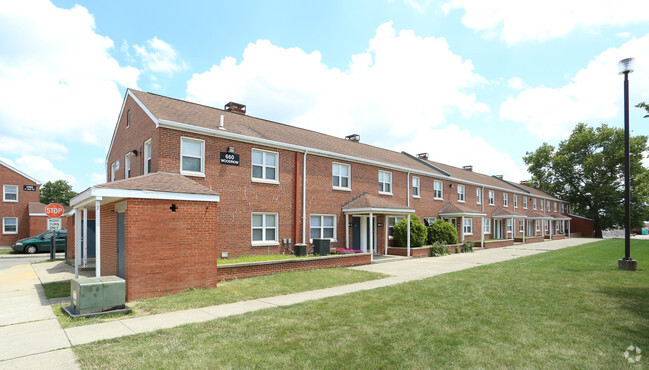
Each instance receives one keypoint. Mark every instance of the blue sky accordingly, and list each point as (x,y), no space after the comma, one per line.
(470,82)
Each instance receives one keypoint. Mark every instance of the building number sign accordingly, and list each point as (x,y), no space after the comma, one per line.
(230,158)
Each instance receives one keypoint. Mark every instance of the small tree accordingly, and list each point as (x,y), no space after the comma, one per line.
(442,231)
(59,191)
(417,232)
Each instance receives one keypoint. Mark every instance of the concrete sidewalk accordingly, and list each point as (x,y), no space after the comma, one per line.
(27,344)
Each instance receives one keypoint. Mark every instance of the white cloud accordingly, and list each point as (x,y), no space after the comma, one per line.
(43,170)
(52,150)
(158,56)
(57,76)
(594,95)
(97,178)
(402,82)
(418,5)
(516,20)
(516,83)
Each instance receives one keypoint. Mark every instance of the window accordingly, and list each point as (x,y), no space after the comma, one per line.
(128,118)
(537,226)
(534,203)
(460,193)
(555,206)
(492,198)
(505,200)
(509,226)
(468,226)
(112,172)
(547,202)
(10,193)
(515,201)
(264,228)
(521,226)
(264,166)
(562,208)
(10,225)
(323,226)
(415,186)
(147,156)
(545,225)
(487,226)
(478,195)
(192,154)
(525,202)
(429,221)
(340,176)
(437,190)
(127,166)
(392,220)
(385,182)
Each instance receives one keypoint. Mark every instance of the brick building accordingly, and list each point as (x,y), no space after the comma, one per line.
(277,185)
(18,190)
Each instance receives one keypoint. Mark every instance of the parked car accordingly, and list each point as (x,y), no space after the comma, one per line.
(41,242)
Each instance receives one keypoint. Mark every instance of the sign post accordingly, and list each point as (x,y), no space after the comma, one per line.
(53,212)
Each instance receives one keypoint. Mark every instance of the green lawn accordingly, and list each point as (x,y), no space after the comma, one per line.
(570,308)
(58,289)
(230,292)
(261,258)
(8,251)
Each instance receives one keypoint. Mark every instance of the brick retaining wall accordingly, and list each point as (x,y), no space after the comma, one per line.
(529,239)
(495,243)
(414,252)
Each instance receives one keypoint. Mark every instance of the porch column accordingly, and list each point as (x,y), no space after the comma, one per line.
(482,231)
(97,238)
(371,241)
(524,229)
(385,226)
(513,228)
(85,237)
(346,230)
(462,227)
(408,235)
(550,227)
(77,242)
(569,228)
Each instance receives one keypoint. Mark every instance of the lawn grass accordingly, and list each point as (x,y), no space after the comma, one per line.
(261,258)
(8,251)
(232,291)
(57,289)
(570,308)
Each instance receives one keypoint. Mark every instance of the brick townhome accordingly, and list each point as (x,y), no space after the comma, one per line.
(18,190)
(277,185)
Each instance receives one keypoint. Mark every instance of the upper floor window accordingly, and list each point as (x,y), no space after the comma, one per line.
(547,203)
(505,200)
(323,226)
(562,208)
(264,228)
(416,186)
(534,203)
(340,176)
(438,190)
(192,154)
(264,166)
(128,118)
(385,182)
(468,226)
(460,193)
(525,202)
(113,168)
(10,193)
(515,201)
(127,165)
(492,198)
(10,225)
(147,156)
(478,195)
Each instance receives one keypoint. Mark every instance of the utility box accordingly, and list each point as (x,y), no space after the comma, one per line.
(114,292)
(87,295)
(322,246)
(299,250)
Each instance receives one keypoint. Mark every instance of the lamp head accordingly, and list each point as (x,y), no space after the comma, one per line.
(626,65)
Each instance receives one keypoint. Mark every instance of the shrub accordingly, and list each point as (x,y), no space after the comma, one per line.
(442,231)
(467,247)
(417,232)
(438,249)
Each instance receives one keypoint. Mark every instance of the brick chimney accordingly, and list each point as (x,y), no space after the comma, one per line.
(235,108)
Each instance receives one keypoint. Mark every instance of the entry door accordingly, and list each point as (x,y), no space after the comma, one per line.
(356,233)
(120,245)
(498,229)
(91,239)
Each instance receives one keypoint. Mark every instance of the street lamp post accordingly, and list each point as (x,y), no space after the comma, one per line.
(627,263)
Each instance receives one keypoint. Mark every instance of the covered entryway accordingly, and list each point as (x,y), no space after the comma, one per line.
(462,217)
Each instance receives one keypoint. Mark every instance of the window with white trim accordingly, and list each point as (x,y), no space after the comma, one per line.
(505,200)
(524,202)
(492,198)
(112,172)
(534,203)
(340,176)
(545,225)
(460,193)
(487,226)
(438,190)
(147,156)
(416,185)
(323,227)
(509,226)
(128,118)
(264,228)
(127,165)
(385,182)
(392,220)
(264,166)
(10,225)
(468,226)
(478,195)
(547,203)
(192,156)
(429,220)
(515,201)
(10,193)
(557,227)
(562,208)
(521,226)
(537,225)
(555,206)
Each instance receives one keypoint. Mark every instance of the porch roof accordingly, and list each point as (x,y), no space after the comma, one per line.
(459,210)
(367,203)
(504,213)
(559,217)
(534,214)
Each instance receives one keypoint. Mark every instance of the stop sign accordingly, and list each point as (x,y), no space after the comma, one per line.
(54,210)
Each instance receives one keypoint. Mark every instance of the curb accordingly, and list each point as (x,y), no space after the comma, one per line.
(44,255)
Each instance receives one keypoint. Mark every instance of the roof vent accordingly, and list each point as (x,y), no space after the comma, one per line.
(422,155)
(498,176)
(525,182)
(353,137)
(235,107)
(467,168)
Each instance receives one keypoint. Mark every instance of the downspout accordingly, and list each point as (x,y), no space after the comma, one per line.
(304,199)
(296,199)
(408,189)
(482,223)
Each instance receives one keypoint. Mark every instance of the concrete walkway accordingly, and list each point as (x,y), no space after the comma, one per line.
(32,338)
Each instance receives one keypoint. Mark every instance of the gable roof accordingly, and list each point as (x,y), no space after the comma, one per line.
(20,173)
(366,202)
(457,209)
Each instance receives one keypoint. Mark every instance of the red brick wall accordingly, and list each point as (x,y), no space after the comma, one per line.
(583,226)
(16,209)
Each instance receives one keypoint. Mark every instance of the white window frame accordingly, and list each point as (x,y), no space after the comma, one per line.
(555,207)
(112,171)
(467,226)
(563,208)
(430,220)
(127,165)
(505,200)
(524,202)
(147,156)
(384,183)
(416,184)
(478,195)
(4,225)
(392,220)
(264,167)
(340,176)
(509,226)
(521,226)
(547,205)
(5,192)
(264,242)
(534,203)
(441,190)
(128,118)
(322,227)
(461,193)
(492,198)
(515,201)
(200,173)
(546,226)
(537,225)
(487,226)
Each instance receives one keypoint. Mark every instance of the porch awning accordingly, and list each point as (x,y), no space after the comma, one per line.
(504,213)
(458,210)
(367,203)
(537,216)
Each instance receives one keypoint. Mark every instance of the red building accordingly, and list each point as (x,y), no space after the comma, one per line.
(18,190)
